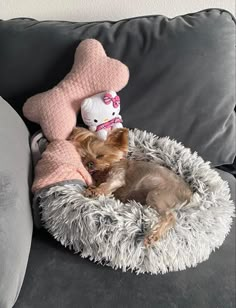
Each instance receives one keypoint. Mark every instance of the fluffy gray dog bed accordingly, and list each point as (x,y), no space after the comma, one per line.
(111,233)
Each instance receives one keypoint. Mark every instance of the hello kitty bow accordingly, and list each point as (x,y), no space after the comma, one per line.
(108,98)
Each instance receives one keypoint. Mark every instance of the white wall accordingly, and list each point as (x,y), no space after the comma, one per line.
(89,10)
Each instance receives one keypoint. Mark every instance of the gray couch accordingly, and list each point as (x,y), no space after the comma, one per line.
(184,68)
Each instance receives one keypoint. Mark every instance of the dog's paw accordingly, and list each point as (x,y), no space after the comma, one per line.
(92,192)
(151,239)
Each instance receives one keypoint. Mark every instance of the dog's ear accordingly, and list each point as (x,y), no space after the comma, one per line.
(80,136)
(119,138)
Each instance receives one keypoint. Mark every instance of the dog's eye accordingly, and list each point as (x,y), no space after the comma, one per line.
(113,113)
(90,165)
(95,120)
(99,156)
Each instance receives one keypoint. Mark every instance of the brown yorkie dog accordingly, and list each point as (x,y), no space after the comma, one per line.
(146,182)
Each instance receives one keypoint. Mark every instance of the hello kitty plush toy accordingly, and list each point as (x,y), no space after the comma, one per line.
(101,113)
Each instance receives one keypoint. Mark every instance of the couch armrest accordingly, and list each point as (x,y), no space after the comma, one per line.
(15,210)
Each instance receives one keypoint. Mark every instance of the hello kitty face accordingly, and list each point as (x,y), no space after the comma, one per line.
(100,108)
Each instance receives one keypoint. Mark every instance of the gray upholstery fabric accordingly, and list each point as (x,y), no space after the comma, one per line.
(15,211)
(58,278)
(182,72)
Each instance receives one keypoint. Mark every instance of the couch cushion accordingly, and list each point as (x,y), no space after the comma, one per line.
(182,81)
(15,211)
(66,280)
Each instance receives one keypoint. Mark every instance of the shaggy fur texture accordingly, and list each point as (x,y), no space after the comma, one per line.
(111,233)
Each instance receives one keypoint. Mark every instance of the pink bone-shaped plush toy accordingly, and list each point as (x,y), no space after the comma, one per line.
(56,110)
(60,162)
(93,71)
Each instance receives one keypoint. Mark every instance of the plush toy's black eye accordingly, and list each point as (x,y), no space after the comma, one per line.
(95,121)
(113,113)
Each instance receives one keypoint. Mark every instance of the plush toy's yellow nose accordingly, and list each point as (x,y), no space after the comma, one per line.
(106,120)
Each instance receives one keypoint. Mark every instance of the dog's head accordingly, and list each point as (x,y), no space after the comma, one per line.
(98,155)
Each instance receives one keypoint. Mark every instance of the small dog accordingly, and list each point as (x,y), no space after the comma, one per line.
(146,182)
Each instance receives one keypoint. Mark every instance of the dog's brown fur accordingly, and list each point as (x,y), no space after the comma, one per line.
(145,182)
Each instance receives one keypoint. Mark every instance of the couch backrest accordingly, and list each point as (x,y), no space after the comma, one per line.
(182,72)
